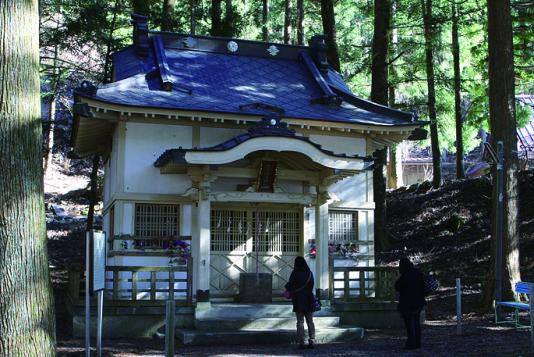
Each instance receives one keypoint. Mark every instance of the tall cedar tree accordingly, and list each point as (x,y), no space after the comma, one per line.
(167,16)
(141,7)
(379,94)
(27,320)
(503,128)
(426,8)
(265,20)
(300,22)
(329,29)
(216,26)
(193,5)
(287,21)
(457,94)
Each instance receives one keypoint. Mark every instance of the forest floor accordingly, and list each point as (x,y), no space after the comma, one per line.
(445,231)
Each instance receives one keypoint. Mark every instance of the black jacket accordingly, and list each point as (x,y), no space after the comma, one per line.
(411,289)
(303,299)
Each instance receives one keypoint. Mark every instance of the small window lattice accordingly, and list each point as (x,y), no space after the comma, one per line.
(157,220)
(228,230)
(343,226)
(277,231)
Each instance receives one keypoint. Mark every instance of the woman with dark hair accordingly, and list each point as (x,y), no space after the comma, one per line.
(411,289)
(300,286)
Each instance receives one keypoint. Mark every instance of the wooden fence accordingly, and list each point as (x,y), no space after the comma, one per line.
(354,284)
(136,286)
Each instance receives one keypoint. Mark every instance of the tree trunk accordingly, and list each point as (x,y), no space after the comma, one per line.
(167,15)
(229,16)
(379,193)
(457,95)
(50,133)
(265,20)
(140,7)
(379,70)
(429,39)
(503,128)
(300,22)
(287,21)
(215,17)
(193,17)
(379,94)
(27,321)
(109,48)
(93,197)
(329,29)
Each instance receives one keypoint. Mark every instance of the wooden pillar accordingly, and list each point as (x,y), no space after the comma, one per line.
(322,275)
(201,240)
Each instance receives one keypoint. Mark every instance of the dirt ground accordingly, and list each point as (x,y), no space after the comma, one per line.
(480,337)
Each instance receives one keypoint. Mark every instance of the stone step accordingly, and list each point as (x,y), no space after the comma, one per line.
(265,336)
(241,323)
(252,311)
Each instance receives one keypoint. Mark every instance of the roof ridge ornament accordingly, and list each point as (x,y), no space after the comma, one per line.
(140,34)
(319,51)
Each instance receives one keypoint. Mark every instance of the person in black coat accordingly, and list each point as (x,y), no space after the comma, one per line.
(411,290)
(300,286)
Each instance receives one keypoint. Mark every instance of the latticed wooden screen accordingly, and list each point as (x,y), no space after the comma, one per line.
(156,220)
(228,230)
(278,231)
(343,225)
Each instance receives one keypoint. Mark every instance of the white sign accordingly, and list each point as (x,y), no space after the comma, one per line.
(99,260)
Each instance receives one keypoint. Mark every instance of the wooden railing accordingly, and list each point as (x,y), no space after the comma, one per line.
(354,284)
(138,286)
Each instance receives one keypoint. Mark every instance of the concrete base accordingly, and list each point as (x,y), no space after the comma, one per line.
(260,324)
(371,315)
(142,322)
(265,336)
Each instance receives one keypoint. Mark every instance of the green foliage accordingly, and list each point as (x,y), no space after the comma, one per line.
(87,32)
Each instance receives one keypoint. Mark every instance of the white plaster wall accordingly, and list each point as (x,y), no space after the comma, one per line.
(354,190)
(214,136)
(144,144)
(289,186)
(341,144)
(309,233)
(228,184)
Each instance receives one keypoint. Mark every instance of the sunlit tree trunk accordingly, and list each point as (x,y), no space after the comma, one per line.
(329,29)
(167,15)
(27,323)
(287,21)
(50,132)
(265,20)
(457,95)
(300,22)
(503,128)
(426,7)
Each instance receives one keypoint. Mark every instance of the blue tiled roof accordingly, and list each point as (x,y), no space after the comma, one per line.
(213,81)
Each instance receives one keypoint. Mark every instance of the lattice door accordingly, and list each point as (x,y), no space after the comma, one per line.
(235,249)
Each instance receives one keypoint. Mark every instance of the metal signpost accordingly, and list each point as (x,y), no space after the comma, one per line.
(498,159)
(96,281)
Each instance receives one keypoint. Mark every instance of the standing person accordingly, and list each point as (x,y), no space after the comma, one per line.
(300,285)
(411,289)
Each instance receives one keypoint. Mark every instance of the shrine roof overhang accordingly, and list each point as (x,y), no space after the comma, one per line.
(271,135)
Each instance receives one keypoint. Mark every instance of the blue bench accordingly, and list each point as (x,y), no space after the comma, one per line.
(520,288)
